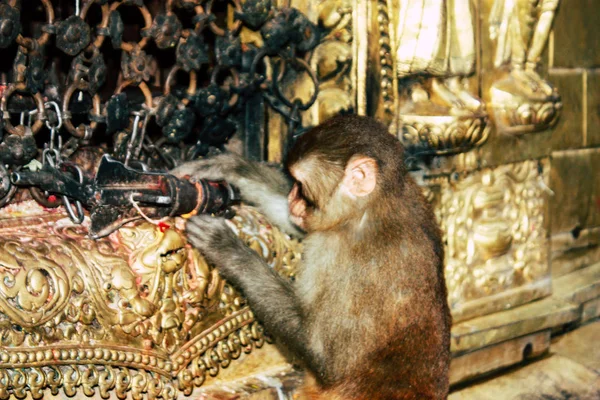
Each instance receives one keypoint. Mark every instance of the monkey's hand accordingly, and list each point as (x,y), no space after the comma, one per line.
(258,184)
(216,241)
(271,298)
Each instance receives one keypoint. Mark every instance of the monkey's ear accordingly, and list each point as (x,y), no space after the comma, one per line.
(360,176)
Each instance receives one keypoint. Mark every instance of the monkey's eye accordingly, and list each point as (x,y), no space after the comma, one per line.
(305,194)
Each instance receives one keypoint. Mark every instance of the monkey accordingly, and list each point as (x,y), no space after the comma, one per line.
(367,315)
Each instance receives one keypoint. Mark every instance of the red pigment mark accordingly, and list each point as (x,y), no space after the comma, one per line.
(52,198)
(163,227)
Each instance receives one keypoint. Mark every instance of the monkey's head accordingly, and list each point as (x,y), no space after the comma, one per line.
(339,168)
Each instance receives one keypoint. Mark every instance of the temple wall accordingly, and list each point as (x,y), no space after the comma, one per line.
(575,208)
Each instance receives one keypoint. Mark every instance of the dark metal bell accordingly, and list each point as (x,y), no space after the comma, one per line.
(136,65)
(72,35)
(96,73)
(179,126)
(217,130)
(228,50)
(192,53)
(255,12)
(117,113)
(35,73)
(209,100)
(10,24)
(116,29)
(166,30)
(17,150)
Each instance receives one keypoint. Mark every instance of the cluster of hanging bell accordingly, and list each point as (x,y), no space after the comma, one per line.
(148,82)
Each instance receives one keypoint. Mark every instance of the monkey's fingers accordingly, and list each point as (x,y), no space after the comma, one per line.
(219,167)
(212,237)
(197,235)
(201,169)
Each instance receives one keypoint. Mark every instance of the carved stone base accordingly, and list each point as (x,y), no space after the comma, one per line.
(582,288)
(493,358)
(504,300)
(481,332)
(555,377)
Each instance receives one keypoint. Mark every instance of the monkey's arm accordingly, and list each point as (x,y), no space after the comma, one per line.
(271,298)
(260,185)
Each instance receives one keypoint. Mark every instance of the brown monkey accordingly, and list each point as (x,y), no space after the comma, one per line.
(368,313)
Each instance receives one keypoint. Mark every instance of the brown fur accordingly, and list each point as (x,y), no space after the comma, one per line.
(379,310)
(368,313)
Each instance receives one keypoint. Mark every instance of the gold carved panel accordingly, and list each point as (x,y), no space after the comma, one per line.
(495,236)
(139,313)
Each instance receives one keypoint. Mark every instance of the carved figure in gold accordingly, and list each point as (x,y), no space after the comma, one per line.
(492,236)
(520,29)
(435,52)
(139,313)
(160,261)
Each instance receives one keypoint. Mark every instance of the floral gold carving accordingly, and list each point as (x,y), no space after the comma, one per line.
(445,134)
(139,313)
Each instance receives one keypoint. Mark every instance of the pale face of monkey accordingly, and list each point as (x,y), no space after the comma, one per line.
(330,198)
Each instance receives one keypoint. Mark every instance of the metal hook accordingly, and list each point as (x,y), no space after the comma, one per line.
(48,105)
(136,122)
(77,215)
(29,114)
(47,157)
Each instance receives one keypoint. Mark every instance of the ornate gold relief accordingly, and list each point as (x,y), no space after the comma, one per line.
(138,313)
(382,85)
(496,246)
(333,61)
(521,100)
(427,48)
